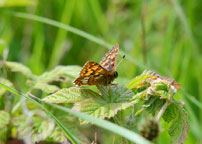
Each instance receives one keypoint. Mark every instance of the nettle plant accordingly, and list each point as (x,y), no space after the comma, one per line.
(139,105)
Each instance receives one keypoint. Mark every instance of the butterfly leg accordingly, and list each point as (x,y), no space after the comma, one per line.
(116,85)
(109,91)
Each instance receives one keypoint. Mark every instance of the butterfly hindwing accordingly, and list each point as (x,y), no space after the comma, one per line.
(110,59)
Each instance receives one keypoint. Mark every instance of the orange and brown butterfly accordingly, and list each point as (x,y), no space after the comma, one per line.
(104,73)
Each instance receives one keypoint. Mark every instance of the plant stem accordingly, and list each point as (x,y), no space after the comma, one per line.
(118,122)
(162,110)
(143,13)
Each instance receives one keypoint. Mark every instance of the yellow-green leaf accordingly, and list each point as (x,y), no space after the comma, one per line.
(70,95)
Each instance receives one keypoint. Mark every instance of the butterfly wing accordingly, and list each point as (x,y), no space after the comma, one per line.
(110,59)
(91,74)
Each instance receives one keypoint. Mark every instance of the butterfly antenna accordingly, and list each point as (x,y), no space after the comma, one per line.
(121,61)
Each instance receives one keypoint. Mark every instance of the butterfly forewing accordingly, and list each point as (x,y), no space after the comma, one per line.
(110,59)
(99,74)
(91,74)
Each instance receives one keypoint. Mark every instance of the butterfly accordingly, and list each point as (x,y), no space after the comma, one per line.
(103,73)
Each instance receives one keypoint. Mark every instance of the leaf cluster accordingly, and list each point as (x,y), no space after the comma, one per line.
(109,102)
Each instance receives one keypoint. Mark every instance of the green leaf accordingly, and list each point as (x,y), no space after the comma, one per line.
(58,135)
(6,82)
(60,73)
(112,100)
(48,88)
(18,67)
(176,115)
(101,109)
(137,82)
(99,122)
(104,105)
(153,103)
(71,123)
(153,90)
(115,93)
(40,127)
(4,119)
(70,95)
(67,72)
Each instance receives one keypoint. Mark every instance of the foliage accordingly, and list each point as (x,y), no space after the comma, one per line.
(104,105)
(60,73)
(176,115)
(42,127)
(151,88)
(5,120)
(164,36)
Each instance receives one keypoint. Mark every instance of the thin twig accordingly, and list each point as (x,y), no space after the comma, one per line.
(114,139)
(162,110)
(33,96)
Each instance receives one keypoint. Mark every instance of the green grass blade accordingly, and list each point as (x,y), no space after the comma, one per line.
(63,26)
(58,48)
(106,125)
(99,122)
(78,32)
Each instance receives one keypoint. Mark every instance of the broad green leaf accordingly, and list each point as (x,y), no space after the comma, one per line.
(72,124)
(106,105)
(176,115)
(6,82)
(155,96)
(115,93)
(142,81)
(70,95)
(153,103)
(66,72)
(60,73)
(47,88)
(137,82)
(39,127)
(4,119)
(58,135)
(101,109)
(112,100)
(18,67)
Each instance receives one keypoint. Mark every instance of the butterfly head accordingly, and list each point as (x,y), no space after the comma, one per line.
(115,74)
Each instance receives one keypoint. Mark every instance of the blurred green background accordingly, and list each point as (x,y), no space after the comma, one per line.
(164,36)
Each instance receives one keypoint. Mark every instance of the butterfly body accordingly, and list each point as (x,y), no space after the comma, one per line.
(100,74)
